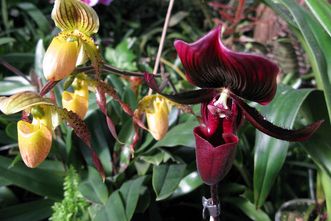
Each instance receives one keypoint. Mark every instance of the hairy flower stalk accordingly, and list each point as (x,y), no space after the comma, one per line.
(226,79)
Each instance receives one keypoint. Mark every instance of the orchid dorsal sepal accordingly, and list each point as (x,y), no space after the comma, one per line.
(75,15)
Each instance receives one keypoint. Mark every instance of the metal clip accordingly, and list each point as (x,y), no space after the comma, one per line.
(209,208)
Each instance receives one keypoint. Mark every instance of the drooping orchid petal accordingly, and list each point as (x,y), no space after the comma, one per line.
(187,97)
(260,123)
(209,64)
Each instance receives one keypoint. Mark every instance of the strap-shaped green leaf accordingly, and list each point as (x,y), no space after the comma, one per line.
(270,153)
(322,11)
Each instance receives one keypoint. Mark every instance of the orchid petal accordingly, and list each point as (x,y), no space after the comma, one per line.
(214,163)
(209,64)
(188,97)
(260,123)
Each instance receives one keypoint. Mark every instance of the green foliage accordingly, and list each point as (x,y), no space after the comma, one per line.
(270,153)
(122,56)
(73,206)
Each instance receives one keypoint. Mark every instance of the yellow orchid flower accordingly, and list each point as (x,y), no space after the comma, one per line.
(73,45)
(35,139)
(77,102)
(156,108)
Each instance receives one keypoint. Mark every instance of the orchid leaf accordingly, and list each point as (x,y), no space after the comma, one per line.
(189,183)
(319,145)
(248,208)
(38,61)
(322,11)
(14,84)
(36,15)
(35,210)
(21,101)
(93,188)
(122,203)
(317,44)
(125,134)
(179,135)
(325,181)
(270,153)
(166,179)
(122,56)
(114,209)
(130,192)
(41,181)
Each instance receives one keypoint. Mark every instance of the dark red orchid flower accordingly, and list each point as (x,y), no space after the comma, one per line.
(226,78)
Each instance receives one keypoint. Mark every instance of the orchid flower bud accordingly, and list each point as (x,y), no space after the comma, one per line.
(77,102)
(35,139)
(157,110)
(61,58)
